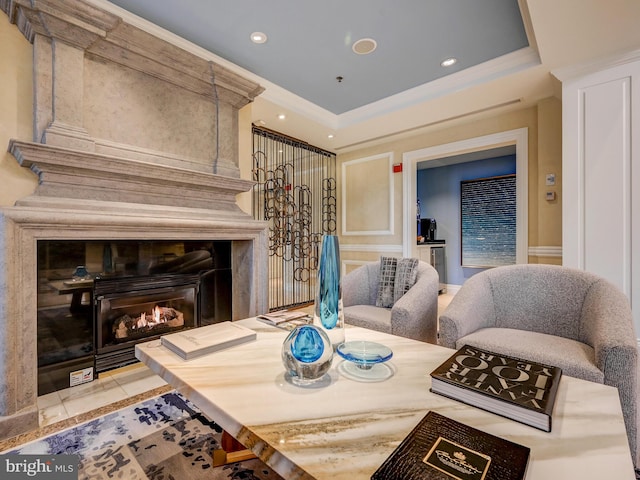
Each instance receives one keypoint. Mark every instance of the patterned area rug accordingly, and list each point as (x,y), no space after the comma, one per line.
(163,438)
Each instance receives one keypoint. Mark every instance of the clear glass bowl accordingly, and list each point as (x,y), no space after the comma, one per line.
(364,354)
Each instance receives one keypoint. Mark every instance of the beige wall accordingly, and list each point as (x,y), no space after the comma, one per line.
(544,142)
(545,229)
(16,110)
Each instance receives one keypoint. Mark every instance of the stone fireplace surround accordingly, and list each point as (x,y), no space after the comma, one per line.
(134,138)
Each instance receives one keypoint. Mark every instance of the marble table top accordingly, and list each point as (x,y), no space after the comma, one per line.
(344,428)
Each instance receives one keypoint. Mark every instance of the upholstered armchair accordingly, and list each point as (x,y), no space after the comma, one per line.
(413,315)
(556,315)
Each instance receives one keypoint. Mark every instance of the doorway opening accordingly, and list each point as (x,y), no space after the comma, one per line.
(480,147)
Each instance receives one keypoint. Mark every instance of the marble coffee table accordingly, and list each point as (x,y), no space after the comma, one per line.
(344,427)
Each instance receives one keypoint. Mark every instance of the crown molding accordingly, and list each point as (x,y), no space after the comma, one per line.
(493,69)
(571,72)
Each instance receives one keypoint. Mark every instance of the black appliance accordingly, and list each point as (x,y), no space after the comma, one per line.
(428,229)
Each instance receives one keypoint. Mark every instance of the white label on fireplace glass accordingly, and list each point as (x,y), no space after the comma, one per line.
(81,376)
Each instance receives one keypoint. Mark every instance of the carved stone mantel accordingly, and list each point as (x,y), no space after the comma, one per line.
(66,173)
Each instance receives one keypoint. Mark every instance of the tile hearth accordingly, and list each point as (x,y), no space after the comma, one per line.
(111,388)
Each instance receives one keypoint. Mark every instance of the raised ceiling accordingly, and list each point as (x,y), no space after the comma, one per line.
(309,44)
(506,50)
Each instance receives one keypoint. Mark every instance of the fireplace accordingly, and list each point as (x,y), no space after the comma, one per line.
(98,298)
(135,136)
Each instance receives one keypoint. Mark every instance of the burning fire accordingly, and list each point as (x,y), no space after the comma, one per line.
(155,318)
(165,316)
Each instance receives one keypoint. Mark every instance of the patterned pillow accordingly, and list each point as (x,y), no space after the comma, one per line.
(406,274)
(386,282)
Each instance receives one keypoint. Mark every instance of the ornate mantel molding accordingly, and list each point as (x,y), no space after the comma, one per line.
(65,173)
(74,98)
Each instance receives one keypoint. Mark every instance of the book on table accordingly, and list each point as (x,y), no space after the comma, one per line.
(522,390)
(194,342)
(276,318)
(440,448)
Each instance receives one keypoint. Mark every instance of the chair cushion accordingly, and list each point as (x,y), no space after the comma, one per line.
(368,316)
(386,281)
(406,274)
(576,359)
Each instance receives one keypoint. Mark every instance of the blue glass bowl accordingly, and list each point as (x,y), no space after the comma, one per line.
(307,354)
(364,354)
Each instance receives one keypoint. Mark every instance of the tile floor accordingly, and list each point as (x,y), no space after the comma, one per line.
(110,388)
(114,387)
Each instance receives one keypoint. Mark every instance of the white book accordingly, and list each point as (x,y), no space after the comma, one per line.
(194,342)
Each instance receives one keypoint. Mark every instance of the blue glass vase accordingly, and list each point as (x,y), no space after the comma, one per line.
(307,354)
(328,312)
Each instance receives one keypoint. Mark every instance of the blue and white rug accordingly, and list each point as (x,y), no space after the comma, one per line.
(163,438)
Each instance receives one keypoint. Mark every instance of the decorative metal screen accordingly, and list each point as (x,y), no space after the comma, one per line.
(296,193)
(488,221)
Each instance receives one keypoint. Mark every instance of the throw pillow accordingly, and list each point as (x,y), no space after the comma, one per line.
(406,274)
(386,282)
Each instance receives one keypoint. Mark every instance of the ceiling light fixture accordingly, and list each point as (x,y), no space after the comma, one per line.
(364,46)
(282,116)
(447,62)
(258,37)
(330,135)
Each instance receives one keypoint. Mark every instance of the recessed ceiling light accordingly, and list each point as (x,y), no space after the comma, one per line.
(447,62)
(330,135)
(364,46)
(258,37)
(282,116)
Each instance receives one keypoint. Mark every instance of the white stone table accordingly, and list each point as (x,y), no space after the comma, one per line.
(344,429)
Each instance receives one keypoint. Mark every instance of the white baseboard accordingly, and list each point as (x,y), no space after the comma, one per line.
(452,289)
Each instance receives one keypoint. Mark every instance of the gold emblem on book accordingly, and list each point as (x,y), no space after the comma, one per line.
(457,461)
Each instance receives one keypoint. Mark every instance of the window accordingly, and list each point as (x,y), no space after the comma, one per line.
(488,221)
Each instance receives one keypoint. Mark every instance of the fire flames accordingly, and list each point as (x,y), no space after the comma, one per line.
(155,318)
(166,316)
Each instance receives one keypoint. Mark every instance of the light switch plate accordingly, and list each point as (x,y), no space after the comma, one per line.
(551,196)
(551,178)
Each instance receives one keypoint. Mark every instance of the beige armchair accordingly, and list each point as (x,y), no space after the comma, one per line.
(556,315)
(414,315)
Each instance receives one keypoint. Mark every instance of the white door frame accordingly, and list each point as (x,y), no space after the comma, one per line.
(410,160)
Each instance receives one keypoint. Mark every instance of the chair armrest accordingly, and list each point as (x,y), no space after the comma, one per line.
(415,314)
(607,321)
(471,309)
(607,325)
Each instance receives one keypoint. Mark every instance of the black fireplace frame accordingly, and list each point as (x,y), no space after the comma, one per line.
(110,355)
(141,259)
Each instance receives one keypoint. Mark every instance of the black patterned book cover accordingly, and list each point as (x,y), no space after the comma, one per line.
(440,448)
(515,388)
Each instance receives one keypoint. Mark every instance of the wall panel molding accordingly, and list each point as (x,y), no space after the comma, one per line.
(367,203)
